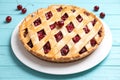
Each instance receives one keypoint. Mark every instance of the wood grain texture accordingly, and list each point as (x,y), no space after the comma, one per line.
(12,69)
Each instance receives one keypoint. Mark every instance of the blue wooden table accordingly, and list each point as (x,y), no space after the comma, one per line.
(12,69)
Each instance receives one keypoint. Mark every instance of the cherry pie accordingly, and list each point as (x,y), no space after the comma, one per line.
(61,33)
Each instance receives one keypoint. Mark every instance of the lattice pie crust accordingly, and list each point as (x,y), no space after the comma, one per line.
(61,33)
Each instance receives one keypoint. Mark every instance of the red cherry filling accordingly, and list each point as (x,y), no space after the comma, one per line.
(70,27)
(8,19)
(73,10)
(58,36)
(48,15)
(26,32)
(96,8)
(93,42)
(30,44)
(94,22)
(47,47)
(76,38)
(79,18)
(19,7)
(64,50)
(41,34)
(37,22)
(59,9)
(86,29)
(52,26)
(64,17)
(99,33)
(102,15)
(83,50)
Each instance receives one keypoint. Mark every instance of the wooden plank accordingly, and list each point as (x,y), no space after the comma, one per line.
(24,73)
(11,8)
(116,37)
(5,35)
(66,1)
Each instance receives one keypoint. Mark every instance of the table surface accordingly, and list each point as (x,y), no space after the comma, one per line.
(12,69)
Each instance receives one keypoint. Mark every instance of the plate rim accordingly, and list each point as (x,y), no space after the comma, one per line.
(106,27)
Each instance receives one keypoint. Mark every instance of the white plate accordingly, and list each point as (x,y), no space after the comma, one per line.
(61,68)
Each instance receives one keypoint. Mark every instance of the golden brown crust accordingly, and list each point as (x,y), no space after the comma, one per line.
(54,55)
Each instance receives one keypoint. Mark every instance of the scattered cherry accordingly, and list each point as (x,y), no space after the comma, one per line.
(102,15)
(24,10)
(8,19)
(96,8)
(19,7)
(60,23)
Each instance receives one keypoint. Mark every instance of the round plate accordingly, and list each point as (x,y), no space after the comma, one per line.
(61,68)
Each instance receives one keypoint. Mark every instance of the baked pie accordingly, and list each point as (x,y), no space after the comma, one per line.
(61,33)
